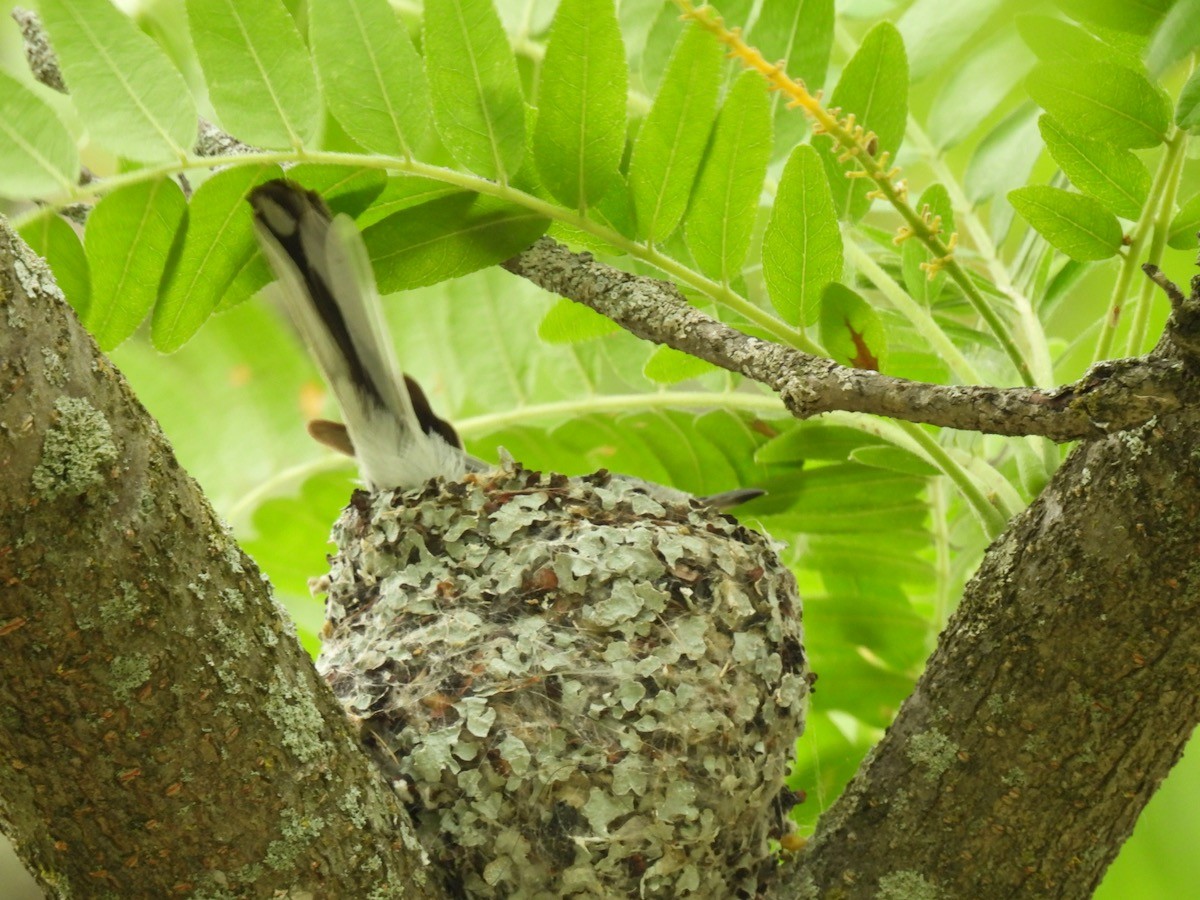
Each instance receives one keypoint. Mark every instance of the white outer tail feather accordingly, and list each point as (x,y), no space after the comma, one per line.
(319,259)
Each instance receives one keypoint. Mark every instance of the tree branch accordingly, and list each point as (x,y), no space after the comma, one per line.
(163,729)
(1061,693)
(1113,395)
(43,62)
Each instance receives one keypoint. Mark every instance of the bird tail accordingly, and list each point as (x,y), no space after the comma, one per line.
(328,289)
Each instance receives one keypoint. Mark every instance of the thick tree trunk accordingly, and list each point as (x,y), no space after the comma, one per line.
(1061,693)
(163,731)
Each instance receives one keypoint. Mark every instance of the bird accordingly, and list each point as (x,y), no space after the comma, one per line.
(327,286)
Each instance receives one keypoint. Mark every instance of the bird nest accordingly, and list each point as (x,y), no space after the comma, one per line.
(583,686)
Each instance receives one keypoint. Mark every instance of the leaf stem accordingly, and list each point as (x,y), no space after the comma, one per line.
(916,440)
(1158,241)
(1035,336)
(721,293)
(1130,263)
(746,401)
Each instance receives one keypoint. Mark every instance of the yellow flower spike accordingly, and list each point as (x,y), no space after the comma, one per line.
(903,233)
(933,266)
(878,168)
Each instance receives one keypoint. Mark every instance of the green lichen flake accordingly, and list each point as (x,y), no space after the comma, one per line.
(77,451)
(907,885)
(932,751)
(586,686)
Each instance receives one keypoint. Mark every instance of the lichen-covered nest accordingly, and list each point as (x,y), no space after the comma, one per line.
(586,687)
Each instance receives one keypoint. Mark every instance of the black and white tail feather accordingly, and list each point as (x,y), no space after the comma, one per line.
(326,284)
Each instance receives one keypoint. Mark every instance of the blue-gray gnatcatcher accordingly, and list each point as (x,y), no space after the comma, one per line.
(327,286)
(328,289)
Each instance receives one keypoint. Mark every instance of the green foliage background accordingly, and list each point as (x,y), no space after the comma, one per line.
(1052,137)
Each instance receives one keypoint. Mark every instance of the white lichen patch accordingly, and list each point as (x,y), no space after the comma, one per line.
(76,452)
(587,689)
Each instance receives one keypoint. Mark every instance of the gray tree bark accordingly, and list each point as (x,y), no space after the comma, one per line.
(163,732)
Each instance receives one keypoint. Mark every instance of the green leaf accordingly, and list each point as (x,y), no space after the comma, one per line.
(1187,109)
(896,560)
(445,238)
(813,440)
(531,17)
(128,94)
(249,354)
(883,621)
(670,366)
(851,330)
(894,459)
(827,756)
(403,192)
(663,35)
(53,239)
(477,103)
(291,533)
(721,217)
(1003,159)
(1054,40)
(462,340)
(373,79)
(216,247)
(1121,15)
(636,18)
(1102,101)
(972,93)
(1186,225)
(873,86)
(671,141)
(844,498)
(37,153)
(260,76)
(582,86)
(1177,35)
(800,32)
(802,246)
(1074,224)
(254,275)
(568,322)
(128,240)
(913,253)
(345,189)
(1061,283)
(1115,177)
(701,455)
(934,31)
